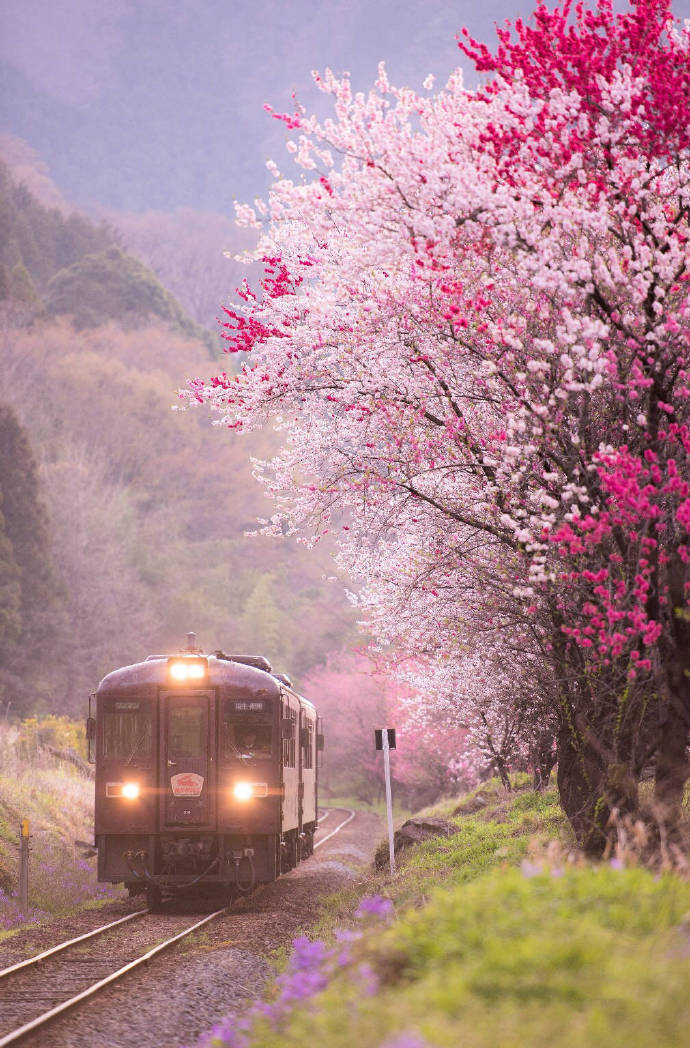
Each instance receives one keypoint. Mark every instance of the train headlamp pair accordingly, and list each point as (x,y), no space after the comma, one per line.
(245,791)
(186,668)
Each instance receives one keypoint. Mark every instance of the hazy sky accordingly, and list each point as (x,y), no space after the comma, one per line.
(141,104)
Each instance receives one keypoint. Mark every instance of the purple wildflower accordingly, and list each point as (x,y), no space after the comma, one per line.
(300,986)
(617,864)
(309,970)
(307,954)
(228,1033)
(366,979)
(346,938)
(406,1040)
(374,906)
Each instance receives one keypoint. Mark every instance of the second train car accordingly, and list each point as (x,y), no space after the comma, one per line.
(206,774)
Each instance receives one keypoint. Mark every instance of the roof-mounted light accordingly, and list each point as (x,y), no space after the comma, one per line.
(186,669)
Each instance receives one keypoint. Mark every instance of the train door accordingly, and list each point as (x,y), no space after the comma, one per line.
(187,770)
(308,766)
(290,768)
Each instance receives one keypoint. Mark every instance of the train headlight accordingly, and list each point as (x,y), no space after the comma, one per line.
(129,790)
(186,668)
(244,791)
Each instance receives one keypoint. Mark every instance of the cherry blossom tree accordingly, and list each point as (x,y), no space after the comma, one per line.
(474,334)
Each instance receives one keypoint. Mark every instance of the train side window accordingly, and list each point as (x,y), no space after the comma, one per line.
(308,745)
(128,733)
(289,745)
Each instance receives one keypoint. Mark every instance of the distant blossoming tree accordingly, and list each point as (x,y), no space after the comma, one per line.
(474,333)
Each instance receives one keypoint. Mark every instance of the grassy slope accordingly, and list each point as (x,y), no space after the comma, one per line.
(58,801)
(503,938)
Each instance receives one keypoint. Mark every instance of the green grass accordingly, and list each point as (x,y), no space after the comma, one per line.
(505,938)
(502,832)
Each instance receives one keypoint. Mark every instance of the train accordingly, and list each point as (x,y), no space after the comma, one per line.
(206,774)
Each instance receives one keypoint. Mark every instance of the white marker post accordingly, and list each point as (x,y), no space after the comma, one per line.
(385,740)
(24,838)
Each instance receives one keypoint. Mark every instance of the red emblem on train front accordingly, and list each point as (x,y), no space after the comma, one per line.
(187,784)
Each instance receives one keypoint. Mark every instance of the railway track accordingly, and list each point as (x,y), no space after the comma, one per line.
(60,978)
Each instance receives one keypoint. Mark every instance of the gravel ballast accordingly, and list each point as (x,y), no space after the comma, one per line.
(185,991)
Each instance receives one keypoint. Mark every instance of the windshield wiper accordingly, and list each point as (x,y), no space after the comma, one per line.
(137,744)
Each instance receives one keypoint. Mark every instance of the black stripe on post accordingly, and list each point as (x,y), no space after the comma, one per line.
(378,737)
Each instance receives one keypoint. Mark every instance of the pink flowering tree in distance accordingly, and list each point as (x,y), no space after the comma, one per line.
(355,694)
(473,332)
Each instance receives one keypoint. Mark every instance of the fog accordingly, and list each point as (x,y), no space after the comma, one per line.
(159,104)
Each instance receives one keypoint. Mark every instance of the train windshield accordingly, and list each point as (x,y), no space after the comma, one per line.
(128,731)
(247,728)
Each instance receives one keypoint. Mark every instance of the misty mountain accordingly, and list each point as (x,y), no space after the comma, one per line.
(158,105)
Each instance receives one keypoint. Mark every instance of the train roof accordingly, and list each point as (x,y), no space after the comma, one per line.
(244,672)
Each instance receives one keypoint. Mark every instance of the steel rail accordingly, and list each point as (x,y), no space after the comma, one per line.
(323,839)
(22,1031)
(42,1020)
(69,942)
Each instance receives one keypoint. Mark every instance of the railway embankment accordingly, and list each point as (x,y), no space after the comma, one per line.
(225,965)
(43,779)
(497,934)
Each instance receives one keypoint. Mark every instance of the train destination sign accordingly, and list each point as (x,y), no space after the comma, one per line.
(246,706)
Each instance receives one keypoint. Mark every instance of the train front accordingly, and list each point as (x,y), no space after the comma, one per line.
(188,775)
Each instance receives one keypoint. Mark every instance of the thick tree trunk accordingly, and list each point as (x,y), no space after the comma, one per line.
(502,770)
(672,772)
(542,758)
(672,762)
(580,788)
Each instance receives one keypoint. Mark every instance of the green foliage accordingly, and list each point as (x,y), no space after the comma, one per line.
(59,732)
(20,286)
(40,239)
(77,268)
(148,509)
(147,506)
(112,285)
(28,598)
(10,596)
(556,954)
(591,958)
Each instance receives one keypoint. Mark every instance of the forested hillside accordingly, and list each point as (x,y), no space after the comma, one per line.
(123,520)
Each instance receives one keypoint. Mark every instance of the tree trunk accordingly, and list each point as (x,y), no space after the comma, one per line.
(580,788)
(672,762)
(672,772)
(542,758)
(502,770)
